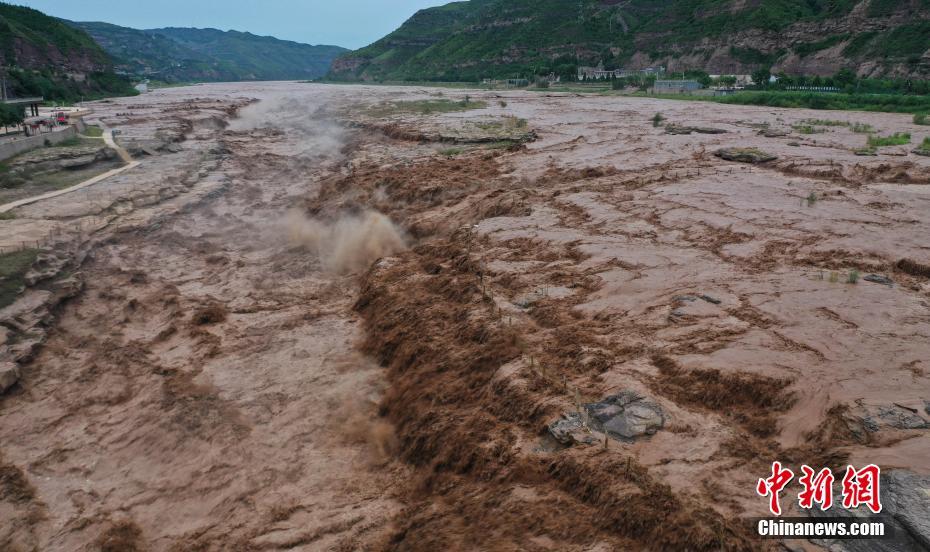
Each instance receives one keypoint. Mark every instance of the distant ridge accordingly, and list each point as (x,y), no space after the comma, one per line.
(187,54)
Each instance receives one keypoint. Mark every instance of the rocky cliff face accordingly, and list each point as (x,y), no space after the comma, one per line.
(501,38)
(30,39)
(42,56)
(31,55)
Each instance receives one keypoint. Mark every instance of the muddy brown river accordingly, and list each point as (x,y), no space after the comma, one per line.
(350,317)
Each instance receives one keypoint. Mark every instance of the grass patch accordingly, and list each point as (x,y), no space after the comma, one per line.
(13,269)
(425,107)
(30,180)
(924,147)
(826,122)
(896,139)
(451,152)
(860,128)
(93,131)
(807,129)
(922,119)
(888,103)
(7,215)
(893,103)
(69,143)
(853,277)
(507,122)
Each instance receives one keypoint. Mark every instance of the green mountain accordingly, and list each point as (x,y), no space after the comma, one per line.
(512,38)
(41,56)
(182,54)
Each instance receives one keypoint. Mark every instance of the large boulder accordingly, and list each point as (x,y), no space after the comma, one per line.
(679,129)
(863,420)
(571,429)
(745,155)
(9,375)
(73,163)
(625,416)
(906,503)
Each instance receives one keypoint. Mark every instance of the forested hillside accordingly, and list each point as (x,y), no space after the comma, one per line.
(509,38)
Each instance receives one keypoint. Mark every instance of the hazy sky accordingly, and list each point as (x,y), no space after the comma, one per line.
(348,23)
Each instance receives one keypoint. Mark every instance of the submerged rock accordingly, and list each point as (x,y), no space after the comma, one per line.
(677,129)
(626,416)
(745,155)
(773,133)
(897,417)
(570,429)
(46,266)
(876,279)
(863,419)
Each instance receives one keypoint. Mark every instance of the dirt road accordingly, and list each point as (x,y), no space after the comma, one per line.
(347,318)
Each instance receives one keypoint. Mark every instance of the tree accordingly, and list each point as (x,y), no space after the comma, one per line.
(761,77)
(844,77)
(11,115)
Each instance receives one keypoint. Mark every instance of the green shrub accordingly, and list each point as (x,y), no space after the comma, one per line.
(11,114)
(451,152)
(921,119)
(896,139)
(891,103)
(826,122)
(806,129)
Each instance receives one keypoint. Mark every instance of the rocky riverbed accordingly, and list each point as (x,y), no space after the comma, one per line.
(378,318)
